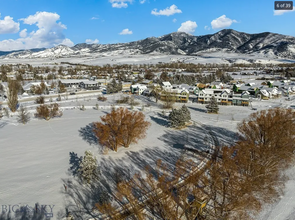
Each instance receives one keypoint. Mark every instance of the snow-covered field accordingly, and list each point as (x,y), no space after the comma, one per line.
(214,57)
(35,157)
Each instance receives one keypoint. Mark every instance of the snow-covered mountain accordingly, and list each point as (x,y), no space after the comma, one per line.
(269,44)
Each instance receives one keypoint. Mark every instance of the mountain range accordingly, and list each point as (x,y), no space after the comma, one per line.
(177,43)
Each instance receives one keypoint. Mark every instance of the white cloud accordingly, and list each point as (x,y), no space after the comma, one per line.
(49,33)
(207,28)
(142,1)
(23,33)
(94,18)
(126,31)
(167,11)
(8,25)
(174,20)
(281,12)
(188,27)
(120,3)
(222,22)
(67,42)
(89,41)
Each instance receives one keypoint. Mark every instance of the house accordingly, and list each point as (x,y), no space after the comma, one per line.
(224,97)
(221,95)
(166,85)
(27,87)
(267,93)
(216,85)
(90,85)
(264,94)
(138,89)
(71,83)
(179,95)
(240,99)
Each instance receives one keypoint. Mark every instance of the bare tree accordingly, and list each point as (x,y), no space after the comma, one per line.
(48,111)
(121,127)
(23,116)
(13,87)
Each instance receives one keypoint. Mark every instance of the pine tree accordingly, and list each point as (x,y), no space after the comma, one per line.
(186,113)
(176,118)
(212,107)
(112,87)
(88,168)
(23,116)
(119,86)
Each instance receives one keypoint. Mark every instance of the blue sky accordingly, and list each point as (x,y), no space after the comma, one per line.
(26,24)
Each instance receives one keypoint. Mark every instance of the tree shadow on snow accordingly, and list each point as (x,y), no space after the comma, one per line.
(199,139)
(198,109)
(81,198)
(160,121)
(74,163)
(88,134)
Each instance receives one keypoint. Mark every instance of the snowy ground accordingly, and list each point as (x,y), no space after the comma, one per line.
(35,157)
(214,57)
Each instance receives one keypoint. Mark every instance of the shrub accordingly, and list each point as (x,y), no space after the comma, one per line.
(48,111)
(40,100)
(101,98)
(124,99)
(23,116)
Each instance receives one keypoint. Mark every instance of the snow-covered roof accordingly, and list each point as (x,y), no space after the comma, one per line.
(89,82)
(264,92)
(166,83)
(139,86)
(226,91)
(28,86)
(207,91)
(66,81)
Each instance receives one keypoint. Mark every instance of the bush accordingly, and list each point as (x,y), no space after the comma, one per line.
(124,99)
(6,112)
(58,98)
(132,102)
(23,116)
(101,98)
(40,100)
(48,111)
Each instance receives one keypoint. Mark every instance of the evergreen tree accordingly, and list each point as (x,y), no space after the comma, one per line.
(119,86)
(186,113)
(235,88)
(176,118)
(88,168)
(212,107)
(112,87)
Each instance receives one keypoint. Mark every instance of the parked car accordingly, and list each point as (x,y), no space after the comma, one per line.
(72,93)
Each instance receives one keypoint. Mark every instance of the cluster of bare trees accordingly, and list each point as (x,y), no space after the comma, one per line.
(236,182)
(48,111)
(121,127)
(39,89)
